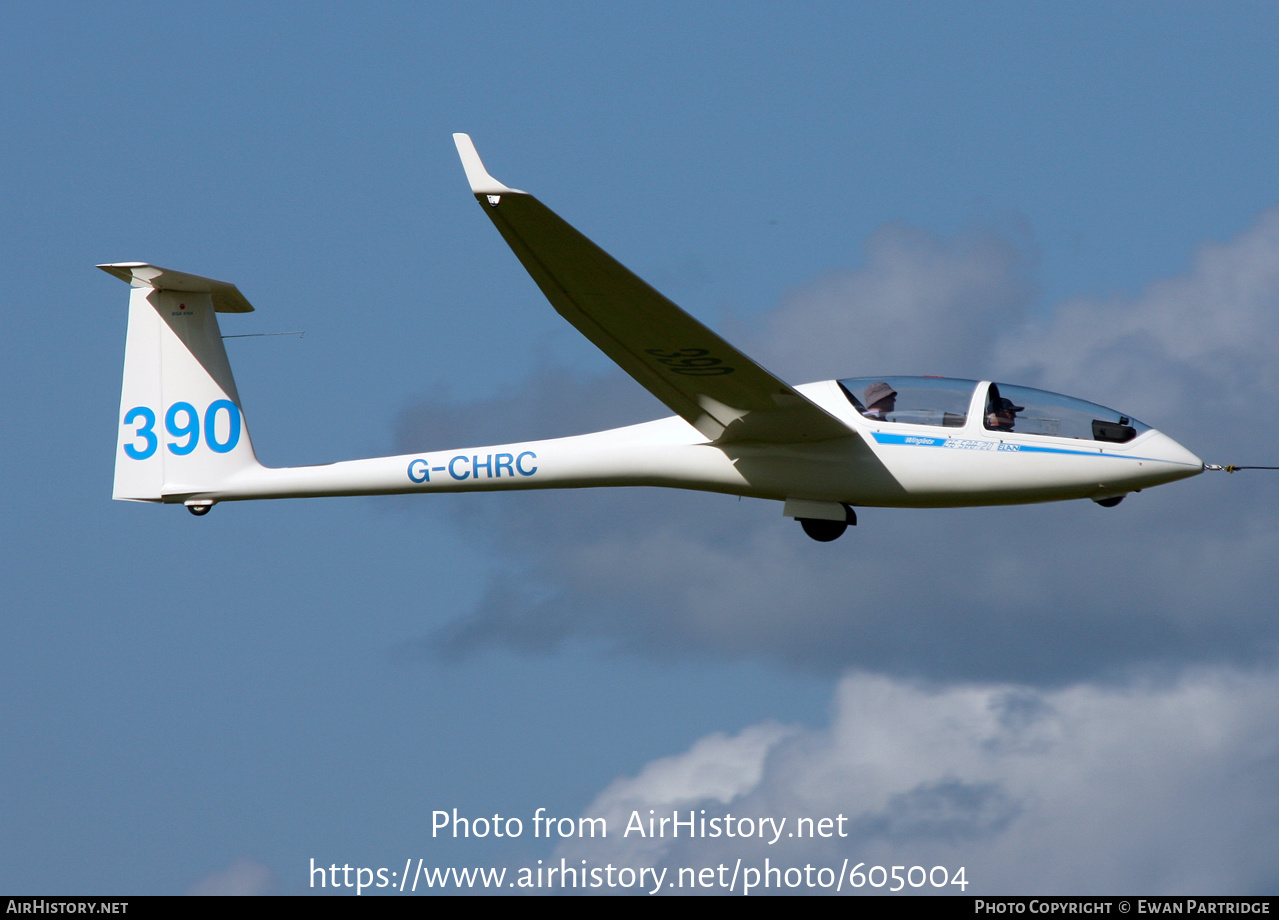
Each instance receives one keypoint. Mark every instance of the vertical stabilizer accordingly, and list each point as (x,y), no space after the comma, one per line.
(182,428)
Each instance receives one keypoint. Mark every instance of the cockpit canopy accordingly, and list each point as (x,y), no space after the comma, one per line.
(944,402)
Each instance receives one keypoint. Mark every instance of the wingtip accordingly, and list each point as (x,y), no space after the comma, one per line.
(122,270)
(481,182)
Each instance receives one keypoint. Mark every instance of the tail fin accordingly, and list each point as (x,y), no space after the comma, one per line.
(182,429)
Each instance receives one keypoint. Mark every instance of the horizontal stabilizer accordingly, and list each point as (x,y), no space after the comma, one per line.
(226,296)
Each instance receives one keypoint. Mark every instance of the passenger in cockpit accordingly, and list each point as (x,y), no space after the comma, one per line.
(880,399)
(1002,414)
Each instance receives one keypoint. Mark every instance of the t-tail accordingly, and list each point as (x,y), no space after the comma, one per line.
(182,427)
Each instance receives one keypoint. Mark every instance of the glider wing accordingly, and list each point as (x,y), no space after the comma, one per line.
(720,391)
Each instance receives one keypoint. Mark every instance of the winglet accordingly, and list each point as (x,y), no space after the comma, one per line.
(481,182)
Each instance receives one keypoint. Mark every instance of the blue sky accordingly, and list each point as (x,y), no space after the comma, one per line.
(1079,197)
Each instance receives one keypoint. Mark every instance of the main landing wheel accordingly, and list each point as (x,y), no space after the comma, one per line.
(823,531)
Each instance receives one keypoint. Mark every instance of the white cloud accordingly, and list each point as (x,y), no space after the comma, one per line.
(1141,788)
(1194,349)
(717,769)
(921,304)
(1040,761)
(1043,594)
(242,877)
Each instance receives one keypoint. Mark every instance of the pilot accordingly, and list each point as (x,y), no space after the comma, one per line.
(880,399)
(1002,414)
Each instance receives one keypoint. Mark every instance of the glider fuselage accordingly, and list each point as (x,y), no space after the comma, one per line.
(880,463)
(822,448)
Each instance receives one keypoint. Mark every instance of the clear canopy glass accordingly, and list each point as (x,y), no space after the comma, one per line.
(1030,411)
(943,402)
(938,401)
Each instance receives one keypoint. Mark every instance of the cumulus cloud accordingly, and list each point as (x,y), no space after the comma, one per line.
(242,877)
(1152,788)
(921,304)
(1198,348)
(1045,595)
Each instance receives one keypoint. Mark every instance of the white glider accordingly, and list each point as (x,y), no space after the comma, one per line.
(821,448)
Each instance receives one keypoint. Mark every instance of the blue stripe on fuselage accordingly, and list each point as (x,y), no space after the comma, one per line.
(916,440)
